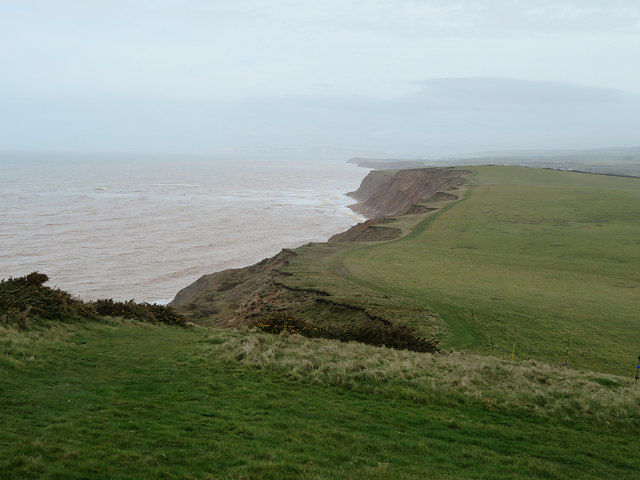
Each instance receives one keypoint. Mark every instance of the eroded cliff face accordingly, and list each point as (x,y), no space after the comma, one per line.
(373,183)
(384,193)
(231,298)
(235,297)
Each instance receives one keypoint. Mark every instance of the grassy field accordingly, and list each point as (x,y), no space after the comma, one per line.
(525,257)
(128,400)
(535,258)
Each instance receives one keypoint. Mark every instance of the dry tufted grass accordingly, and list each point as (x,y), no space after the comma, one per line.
(457,377)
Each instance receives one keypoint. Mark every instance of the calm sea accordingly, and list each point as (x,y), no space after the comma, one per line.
(143,228)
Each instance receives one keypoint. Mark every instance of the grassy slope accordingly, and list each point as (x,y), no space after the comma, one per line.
(536,257)
(131,401)
(124,400)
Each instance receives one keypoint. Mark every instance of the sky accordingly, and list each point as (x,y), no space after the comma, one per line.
(397,77)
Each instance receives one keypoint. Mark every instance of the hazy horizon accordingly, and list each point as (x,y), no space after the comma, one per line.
(406,77)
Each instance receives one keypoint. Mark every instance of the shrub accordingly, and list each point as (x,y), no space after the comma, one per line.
(144,312)
(372,332)
(36,279)
(278,322)
(380,334)
(25,299)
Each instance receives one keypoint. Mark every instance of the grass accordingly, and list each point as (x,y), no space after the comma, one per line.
(535,258)
(453,379)
(526,257)
(127,400)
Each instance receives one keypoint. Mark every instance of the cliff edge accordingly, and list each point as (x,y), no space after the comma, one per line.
(235,297)
(384,193)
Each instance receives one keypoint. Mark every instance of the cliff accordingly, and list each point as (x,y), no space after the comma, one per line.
(235,297)
(384,193)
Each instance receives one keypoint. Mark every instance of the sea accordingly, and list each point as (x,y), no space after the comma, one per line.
(143,227)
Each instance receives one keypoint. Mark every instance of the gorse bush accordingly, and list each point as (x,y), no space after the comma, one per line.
(372,333)
(24,300)
(277,322)
(144,312)
(36,279)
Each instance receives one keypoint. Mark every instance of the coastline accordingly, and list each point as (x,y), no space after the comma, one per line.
(394,201)
(127,231)
(347,210)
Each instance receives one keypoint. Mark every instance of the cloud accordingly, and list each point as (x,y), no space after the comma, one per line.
(447,116)
(620,17)
(201,74)
(516,93)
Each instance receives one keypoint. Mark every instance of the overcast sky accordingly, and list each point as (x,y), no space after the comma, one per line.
(417,77)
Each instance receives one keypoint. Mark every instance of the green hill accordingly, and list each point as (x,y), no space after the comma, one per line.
(533,257)
(122,399)
(509,256)
(536,258)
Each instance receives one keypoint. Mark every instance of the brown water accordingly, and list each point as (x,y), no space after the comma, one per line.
(132,228)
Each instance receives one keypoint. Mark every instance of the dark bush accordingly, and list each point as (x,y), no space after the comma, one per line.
(379,334)
(25,299)
(371,332)
(36,279)
(144,312)
(278,322)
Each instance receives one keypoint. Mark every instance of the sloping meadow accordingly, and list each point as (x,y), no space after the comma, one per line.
(448,378)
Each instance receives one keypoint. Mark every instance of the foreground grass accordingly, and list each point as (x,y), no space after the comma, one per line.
(126,400)
(537,258)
